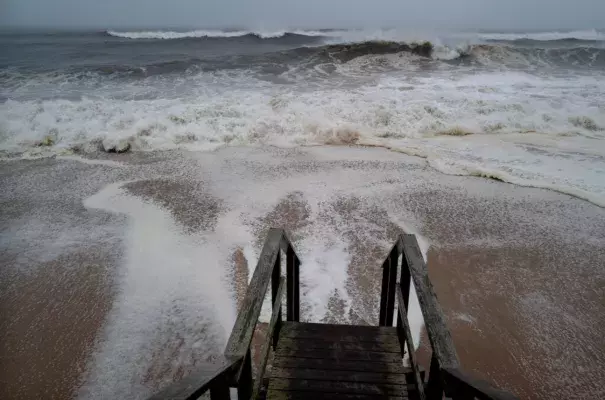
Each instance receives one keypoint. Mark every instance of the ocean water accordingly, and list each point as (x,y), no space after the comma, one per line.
(526,108)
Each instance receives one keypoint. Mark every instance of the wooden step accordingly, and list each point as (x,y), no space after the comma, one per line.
(340,333)
(326,361)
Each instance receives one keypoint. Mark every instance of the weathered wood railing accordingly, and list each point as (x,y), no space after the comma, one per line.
(235,368)
(445,375)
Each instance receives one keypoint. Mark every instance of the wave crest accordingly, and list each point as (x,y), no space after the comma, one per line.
(589,35)
(522,57)
(167,35)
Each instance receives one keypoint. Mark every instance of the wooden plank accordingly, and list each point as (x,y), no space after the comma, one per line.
(295,364)
(287,395)
(338,375)
(305,385)
(339,337)
(367,356)
(241,335)
(273,325)
(389,345)
(339,329)
(197,383)
(411,351)
(460,384)
(434,319)
(344,365)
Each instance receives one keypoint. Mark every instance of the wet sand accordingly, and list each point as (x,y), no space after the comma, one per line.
(49,324)
(518,271)
(529,327)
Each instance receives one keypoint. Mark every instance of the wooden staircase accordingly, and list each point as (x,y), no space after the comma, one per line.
(325,361)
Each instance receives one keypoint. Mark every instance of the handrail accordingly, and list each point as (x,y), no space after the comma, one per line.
(434,319)
(241,335)
(235,366)
(212,376)
(268,269)
(444,374)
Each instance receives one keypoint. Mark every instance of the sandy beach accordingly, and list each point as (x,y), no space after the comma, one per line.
(120,272)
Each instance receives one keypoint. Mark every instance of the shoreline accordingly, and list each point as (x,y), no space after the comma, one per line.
(342,205)
(103,158)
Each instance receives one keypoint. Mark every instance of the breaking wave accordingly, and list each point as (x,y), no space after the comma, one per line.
(212,34)
(510,56)
(589,35)
(328,57)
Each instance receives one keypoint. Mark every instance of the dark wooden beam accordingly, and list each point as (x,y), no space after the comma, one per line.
(220,390)
(384,293)
(434,387)
(393,261)
(208,376)
(276,281)
(405,279)
(460,385)
(244,378)
(292,279)
(296,289)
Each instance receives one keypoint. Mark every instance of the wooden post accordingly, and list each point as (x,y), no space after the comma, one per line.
(220,391)
(434,387)
(290,282)
(405,280)
(384,293)
(392,286)
(244,383)
(275,280)
(296,298)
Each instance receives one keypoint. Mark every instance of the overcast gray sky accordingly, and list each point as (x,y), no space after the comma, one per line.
(280,14)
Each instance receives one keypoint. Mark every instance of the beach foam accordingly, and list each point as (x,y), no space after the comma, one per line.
(408,112)
(483,110)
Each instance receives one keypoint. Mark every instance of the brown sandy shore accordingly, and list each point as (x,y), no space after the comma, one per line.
(520,272)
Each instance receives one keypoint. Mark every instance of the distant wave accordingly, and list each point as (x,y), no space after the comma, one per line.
(552,43)
(309,55)
(581,56)
(304,57)
(211,34)
(589,35)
